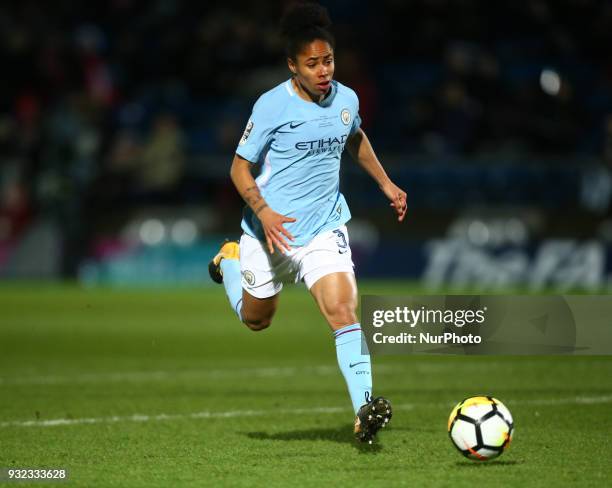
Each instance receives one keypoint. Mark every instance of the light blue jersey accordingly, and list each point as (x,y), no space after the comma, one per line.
(300,144)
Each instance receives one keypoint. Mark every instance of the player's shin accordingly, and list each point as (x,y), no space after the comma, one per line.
(354,365)
(233,284)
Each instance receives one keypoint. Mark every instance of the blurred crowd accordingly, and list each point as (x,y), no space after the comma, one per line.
(121,102)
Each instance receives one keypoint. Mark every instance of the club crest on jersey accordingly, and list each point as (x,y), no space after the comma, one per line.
(345,115)
(249,277)
(246,134)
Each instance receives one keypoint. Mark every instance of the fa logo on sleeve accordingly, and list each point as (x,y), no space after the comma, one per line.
(246,134)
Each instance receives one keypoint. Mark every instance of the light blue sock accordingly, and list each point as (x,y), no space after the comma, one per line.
(355,367)
(232,281)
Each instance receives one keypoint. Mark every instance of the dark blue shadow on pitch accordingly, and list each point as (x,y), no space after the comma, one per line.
(342,435)
(486,464)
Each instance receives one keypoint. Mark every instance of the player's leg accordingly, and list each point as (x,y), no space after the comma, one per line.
(256,312)
(225,268)
(336,296)
(248,277)
(327,270)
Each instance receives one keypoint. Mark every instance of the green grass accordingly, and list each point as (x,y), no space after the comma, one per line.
(223,406)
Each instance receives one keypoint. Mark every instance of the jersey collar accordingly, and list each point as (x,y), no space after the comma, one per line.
(326,102)
(331,94)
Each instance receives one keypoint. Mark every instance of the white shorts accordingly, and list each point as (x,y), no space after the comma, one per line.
(263,274)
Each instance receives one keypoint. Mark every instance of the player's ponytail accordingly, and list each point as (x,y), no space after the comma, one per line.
(302,23)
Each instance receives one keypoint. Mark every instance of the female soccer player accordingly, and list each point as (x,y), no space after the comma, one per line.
(294,221)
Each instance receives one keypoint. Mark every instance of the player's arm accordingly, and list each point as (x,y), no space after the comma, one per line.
(361,150)
(271,221)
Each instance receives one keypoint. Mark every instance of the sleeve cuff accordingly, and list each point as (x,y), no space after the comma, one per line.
(246,155)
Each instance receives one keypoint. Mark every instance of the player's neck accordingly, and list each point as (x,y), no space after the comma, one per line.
(305,94)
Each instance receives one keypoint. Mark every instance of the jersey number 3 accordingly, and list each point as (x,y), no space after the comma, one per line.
(341,241)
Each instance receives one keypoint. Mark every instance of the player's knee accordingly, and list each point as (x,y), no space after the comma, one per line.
(341,314)
(257,323)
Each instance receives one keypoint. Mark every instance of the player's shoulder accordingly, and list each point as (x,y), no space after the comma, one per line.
(347,92)
(274,101)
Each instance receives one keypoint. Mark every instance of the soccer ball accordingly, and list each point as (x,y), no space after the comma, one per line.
(480,427)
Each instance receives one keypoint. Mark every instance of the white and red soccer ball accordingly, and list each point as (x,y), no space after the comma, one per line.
(481,427)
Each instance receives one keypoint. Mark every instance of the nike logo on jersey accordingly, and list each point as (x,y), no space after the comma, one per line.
(294,125)
(355,364)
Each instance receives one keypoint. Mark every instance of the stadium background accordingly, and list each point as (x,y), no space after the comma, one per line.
(119,119)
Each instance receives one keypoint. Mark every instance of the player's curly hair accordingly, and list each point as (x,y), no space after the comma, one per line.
(302,23)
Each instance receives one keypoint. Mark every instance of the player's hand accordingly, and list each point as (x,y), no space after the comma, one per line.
(397,197)
(275,232)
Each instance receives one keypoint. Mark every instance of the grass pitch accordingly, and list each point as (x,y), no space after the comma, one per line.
(155,388)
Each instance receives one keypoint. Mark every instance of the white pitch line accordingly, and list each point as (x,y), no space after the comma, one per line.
(293,411)
(261,372)
(138,376)
(164,416)
(566,401)
(135,376)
